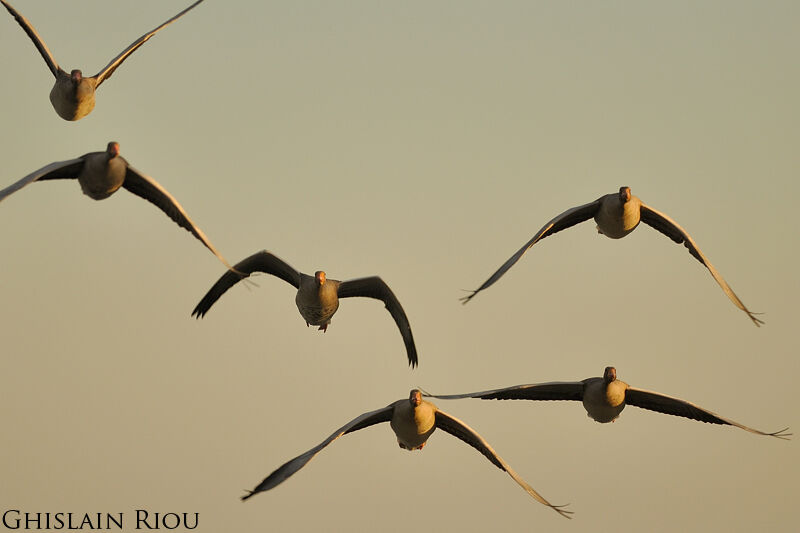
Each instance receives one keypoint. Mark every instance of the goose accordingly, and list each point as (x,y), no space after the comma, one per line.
(413,420)
(317,296)
(616,215)
(101,174)
(72,94)
(605,397)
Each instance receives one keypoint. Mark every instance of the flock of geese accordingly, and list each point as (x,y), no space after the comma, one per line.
(414,419)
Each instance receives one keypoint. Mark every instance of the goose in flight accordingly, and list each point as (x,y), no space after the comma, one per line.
(72,95)
(317,296)
(616,215)
(604,399)
(413,420)
(100,174)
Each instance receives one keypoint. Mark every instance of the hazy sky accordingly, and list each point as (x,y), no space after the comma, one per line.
(423,142)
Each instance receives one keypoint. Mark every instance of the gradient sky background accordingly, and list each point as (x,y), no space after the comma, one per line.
(423,142)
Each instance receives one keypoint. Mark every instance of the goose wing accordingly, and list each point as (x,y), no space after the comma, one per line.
(69,169)
(262,261)
(375,287)
(661,403)
(146,187)
(37,40)
(554,390)
(565,220)
(108,70)
(460,430)
(671,229)
(288,469)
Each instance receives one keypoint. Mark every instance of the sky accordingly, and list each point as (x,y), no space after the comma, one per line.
(423,142)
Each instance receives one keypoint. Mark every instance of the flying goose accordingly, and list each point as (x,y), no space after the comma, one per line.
(413,421)
(317,296)
(604,399)
(618,214)
(72,95)
(100,174)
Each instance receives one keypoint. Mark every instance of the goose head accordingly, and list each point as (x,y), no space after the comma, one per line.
(113,147)
(415,397)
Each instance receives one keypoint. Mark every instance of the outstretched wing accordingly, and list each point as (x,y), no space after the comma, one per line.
(146,187)
(375,287)
(661,403)
(108,70)
(262,261)
(671,229)
(59,170)
(459,429)
(554,390)
(565,220)
(288,469)
(37,40)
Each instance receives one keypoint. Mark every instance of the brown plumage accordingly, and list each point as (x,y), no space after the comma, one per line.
(413,420)
(617,215)
(72,94)
(605,397)
(101,174)
(317,296)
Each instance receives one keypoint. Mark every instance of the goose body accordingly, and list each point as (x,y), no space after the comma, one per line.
(72,95)
(317,299)
(413,421)
(102,173)
(618,214)
(604,399)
